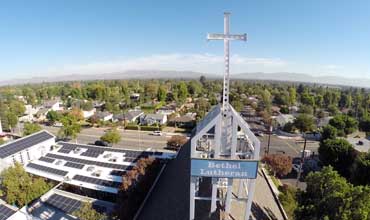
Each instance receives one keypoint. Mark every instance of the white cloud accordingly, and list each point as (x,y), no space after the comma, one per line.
(207,63)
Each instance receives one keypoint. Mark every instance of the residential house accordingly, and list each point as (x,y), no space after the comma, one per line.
(104,116)
(185,121)
(88,114)
(321,122)
(54,105)
(283,119)
(29,113)
(41,114)
(131,116)
(151,119)
(166,110)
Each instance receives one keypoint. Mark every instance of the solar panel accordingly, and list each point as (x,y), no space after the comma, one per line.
(88,162)
(128,153)
(117,172)
(74,165)
(97,181)
(63,203)
(47,169)
(47,159)
(92,153)
(5,212)
(24,143)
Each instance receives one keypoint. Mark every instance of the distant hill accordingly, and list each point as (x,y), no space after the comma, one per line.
(158,74)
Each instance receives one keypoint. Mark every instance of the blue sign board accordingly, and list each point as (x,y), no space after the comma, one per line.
(239,169)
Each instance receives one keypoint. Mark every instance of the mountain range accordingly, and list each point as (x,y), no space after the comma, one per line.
(159,74)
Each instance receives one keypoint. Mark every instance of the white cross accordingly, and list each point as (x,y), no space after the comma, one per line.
(226,37)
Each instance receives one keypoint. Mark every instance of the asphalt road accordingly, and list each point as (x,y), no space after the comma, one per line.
(289,147)
(129,139)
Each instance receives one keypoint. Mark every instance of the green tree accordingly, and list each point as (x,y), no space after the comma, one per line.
(338,153)
(365,124)
(70,127)
(328,132)
(52,116)
(12,119)
(112,137)
(162,93)
(292,96)
(288,199)
(361,169)
(30,128)
(328,196)
(19,187)
(87,212)
(344,124)
(304,123)
(17,108)
(182,91)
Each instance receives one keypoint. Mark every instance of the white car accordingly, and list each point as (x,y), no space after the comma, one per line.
(296,167)
(157,133)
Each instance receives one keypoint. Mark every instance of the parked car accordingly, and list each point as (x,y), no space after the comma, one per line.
(157,133)
(296,167)
(259,134)
(102,143)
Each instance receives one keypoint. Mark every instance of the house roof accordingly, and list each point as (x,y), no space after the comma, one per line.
(102,114)
(184,119)
(49,104)
(284,118)
(133,114)
(154,116)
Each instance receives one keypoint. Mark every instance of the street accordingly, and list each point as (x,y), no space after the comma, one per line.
(290,147)
(129,139)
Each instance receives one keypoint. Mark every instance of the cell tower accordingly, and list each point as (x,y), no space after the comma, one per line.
(224,149)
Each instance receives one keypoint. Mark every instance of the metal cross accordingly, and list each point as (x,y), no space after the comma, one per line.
(226,37)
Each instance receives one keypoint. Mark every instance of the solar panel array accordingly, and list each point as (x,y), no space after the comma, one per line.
(63,203)
(88,162)
(97,181)
(74,165)
(47,169)
(117,172)
(47,159)
(5,212)
(68,147)
(22,144)
(92,152)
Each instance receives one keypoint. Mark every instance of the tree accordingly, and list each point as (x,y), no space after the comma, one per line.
(162,93)
(176,141)
(292,96)
(19,187)
(328,196)
(344,124)
(30,128)
(12,119)
(17,108)
(182,91)
(202,80)
(328,132)
(279,164)
(86,212)
(52,116)
(304,123)
(112,137)
(338,153)
(365,124)
(70,127)
(361,169)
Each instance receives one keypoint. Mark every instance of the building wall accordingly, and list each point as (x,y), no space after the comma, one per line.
(27,155)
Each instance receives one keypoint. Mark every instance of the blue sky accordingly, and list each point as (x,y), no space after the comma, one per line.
(318,37)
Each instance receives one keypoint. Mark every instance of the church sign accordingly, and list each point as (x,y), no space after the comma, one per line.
(239,169)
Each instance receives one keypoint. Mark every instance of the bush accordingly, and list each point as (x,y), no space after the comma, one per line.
(132,127)
(288,198)
(151,128)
